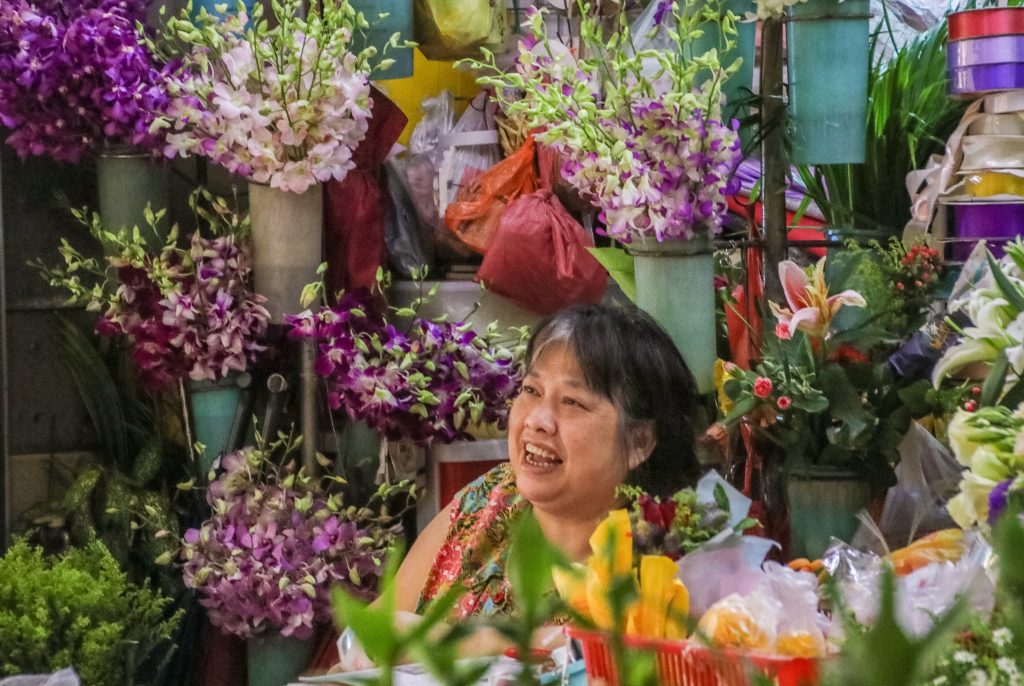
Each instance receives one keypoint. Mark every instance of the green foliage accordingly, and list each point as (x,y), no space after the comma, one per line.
(78,610)
(120,497)
(909,118)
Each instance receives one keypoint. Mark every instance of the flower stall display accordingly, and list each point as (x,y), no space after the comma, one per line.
(429,381)
(284,103)
(78,80)
(187,313)
(641,136)
(993,335)
(825,394)
(278,539)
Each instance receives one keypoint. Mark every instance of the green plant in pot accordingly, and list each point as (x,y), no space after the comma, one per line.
(825,394)
(77,610)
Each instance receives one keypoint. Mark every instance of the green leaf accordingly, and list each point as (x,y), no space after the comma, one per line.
(530,561)
(1009,290)
(619,264)
(844,401)
(995,380)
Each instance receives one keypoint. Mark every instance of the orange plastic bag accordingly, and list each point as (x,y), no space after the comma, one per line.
(475,215)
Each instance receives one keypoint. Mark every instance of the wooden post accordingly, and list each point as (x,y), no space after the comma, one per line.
(773,159)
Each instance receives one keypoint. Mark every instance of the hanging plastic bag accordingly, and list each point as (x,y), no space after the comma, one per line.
(451,29)
(469,149)
(418,171)
(475,216)
(410,244)
(538,257)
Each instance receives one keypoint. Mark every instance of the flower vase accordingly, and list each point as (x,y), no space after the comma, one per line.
(211,8)
(213,406)
(675,285)
(828,80)
(287,244)
(823,504)
(399,20)
(276,660)
(128,180)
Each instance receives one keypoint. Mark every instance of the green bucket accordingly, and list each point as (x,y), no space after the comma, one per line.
(276,660)
(828,80)
(128,180)
(213,405)
(823,504)
(398,20)
(675,285)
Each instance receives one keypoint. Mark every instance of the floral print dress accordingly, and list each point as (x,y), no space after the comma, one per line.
(476,548)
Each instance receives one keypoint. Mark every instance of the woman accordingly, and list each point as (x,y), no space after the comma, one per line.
(606,400)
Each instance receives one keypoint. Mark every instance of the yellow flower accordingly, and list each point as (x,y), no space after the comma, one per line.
(664,601)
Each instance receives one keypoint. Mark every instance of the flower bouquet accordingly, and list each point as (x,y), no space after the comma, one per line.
(824,391)
(284,103)
(640,131)
(430,381)
(77,78)
(988,443)
(994,333)
(185,312)
(277,542)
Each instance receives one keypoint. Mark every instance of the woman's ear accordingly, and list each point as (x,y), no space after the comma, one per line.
(642,440)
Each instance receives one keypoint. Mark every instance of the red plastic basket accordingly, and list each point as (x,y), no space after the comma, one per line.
(687,663)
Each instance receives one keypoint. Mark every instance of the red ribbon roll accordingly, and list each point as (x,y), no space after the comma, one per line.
(992,21)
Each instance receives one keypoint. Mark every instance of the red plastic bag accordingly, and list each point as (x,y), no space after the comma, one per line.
(538,257)
(475,216)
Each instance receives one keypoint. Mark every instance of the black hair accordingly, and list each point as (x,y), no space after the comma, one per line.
(630,359)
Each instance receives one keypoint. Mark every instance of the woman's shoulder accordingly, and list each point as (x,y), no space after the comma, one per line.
(495,489)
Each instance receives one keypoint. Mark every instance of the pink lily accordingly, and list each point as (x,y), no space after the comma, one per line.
(811,309)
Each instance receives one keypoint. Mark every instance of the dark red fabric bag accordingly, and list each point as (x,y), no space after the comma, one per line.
(356,206)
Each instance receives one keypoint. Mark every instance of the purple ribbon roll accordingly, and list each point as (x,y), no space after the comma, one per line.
(990,50)
(986,77)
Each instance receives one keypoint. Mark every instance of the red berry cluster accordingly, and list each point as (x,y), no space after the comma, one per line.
(919,270)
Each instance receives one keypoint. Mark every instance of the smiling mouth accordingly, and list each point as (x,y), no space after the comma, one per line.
(539,457)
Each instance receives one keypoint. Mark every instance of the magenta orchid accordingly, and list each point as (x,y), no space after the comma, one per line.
(185,312)
(77,77)
(278,541)
(811,309)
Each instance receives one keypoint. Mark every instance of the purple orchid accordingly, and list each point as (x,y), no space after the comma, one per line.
(74,79)
(275,546)
(997,500)
(434,381)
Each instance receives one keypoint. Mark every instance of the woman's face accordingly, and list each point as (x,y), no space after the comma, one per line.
(565,441)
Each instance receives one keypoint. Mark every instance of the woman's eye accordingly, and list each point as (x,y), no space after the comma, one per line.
(529,390)
(573,402)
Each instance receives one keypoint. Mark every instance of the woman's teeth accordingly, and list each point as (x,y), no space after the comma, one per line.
(540,457)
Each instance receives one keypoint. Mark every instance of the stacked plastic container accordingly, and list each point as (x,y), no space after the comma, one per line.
(985,59)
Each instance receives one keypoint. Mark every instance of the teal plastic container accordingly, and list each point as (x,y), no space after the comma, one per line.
(213,412)
(276,660)
(823,505)
(740,84)
(828,80)
(399,20)
(675,285)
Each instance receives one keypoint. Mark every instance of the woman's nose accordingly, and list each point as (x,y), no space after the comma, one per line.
(541,418)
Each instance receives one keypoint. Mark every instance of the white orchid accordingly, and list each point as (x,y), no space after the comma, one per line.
(996,313)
